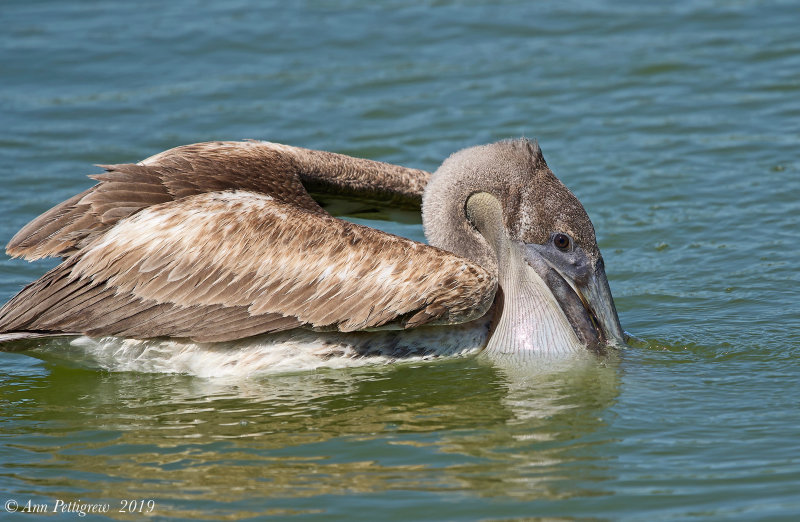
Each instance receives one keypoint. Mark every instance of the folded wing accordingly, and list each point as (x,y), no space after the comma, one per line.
(231,264)
(283,172)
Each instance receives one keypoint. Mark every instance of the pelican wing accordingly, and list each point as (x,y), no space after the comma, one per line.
(231,264)
(280,171)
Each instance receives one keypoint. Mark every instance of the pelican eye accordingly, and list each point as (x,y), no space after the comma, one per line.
(562,241)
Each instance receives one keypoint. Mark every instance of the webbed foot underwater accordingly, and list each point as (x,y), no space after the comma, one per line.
(223,242)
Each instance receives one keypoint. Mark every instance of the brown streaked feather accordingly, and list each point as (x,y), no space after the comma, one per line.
(267,168)
(335,174)
(225,265)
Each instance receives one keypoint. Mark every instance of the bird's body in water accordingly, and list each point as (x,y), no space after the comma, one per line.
(219,250)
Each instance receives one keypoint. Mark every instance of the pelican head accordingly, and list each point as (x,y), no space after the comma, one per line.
(500,206)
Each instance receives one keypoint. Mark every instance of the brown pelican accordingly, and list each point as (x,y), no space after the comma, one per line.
(216,242)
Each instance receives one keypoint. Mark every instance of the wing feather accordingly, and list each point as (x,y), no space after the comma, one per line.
(225,265)
(267,168)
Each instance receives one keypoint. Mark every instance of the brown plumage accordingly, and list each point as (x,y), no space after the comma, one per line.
(220,241)
(281,171)
(223,241)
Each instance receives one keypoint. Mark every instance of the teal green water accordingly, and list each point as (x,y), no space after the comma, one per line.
(677,125)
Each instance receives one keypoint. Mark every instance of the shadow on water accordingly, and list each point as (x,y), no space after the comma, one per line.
(427,427)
